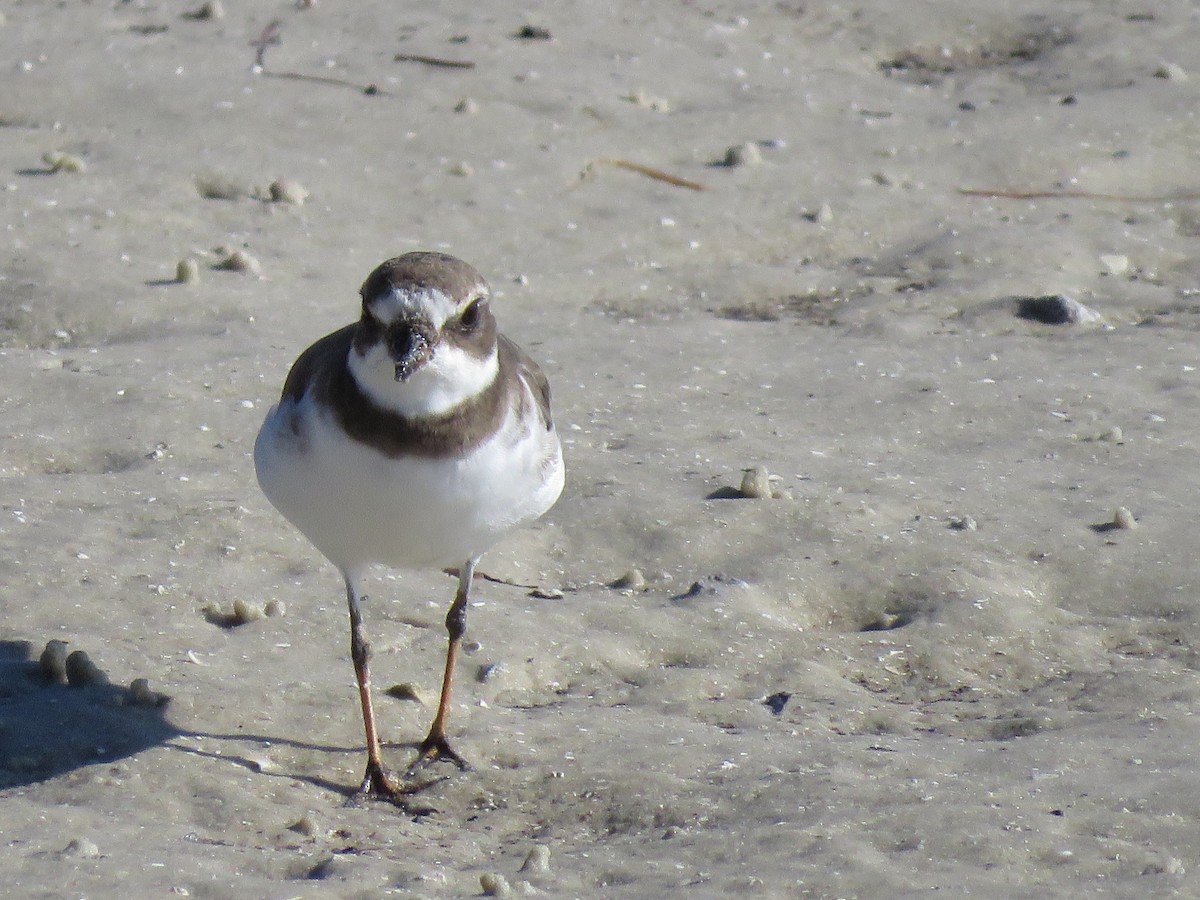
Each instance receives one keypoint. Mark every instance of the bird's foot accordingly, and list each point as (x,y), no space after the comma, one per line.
(379,784)
(436,747)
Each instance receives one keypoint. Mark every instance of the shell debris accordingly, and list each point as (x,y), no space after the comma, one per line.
(747,154)
(187,271)
(59,161)
(53,662)
(287,190)
(240,261)
(406,690)
(82,672)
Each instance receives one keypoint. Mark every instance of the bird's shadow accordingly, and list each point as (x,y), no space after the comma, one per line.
(52,728)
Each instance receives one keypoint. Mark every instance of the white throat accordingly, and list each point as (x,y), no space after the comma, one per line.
(450,377)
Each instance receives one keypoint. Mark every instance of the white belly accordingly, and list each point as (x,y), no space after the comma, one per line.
(359,507)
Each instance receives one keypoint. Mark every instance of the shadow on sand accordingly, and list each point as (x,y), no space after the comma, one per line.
(48,728)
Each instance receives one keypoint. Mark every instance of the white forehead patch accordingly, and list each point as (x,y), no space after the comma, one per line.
(399,304)
(429,303)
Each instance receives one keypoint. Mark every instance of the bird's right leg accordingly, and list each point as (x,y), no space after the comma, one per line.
(377,782)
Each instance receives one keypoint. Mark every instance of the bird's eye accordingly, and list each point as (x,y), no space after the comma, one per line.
(472,315)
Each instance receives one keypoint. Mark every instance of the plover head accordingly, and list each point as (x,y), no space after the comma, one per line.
(426,341)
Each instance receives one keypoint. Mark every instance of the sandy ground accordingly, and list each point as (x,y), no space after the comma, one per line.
(927,664)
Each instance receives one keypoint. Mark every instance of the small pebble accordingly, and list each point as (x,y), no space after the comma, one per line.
(756,483)
(743,155)
(81,671)
(1114,434)
(286,190)
(53,662)
(777,701)
(187,271)
(466,106)
(275,609)
(495,885)
(1114,263)
(307,825)
(824,214)
(212,186)
(140,693)
(64,162)
(245,612)
(963,523)
(640,98)
(461,169)
(1056,309)
(406,690)
(240,261)
(537,862)
(1171,72)
(488,671)
(631,581)
(80,848)
(1123,519)
(532,33)
(262,764)
(213,9)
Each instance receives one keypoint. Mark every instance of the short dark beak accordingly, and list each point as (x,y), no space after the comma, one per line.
(411,345)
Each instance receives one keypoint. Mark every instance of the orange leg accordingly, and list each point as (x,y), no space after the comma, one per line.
(436,745)
(377,782)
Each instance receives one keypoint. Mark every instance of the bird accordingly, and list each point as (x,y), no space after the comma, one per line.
(413,438)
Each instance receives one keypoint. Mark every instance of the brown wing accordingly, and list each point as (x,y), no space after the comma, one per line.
(313,368)
(531,374)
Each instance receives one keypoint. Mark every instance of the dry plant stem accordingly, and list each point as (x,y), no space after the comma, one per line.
(369,89)
(1077,195)
(270,38)
(656,174)
(434,61)
(495,580)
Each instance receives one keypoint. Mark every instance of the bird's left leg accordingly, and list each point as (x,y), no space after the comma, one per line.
(436,745)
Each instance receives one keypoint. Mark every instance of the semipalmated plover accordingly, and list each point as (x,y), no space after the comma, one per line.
(415,437)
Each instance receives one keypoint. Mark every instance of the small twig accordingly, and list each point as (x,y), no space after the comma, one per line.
(656,174)
(369,89)
(453,573)
(1077,195)
(268,38)
(434,61)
